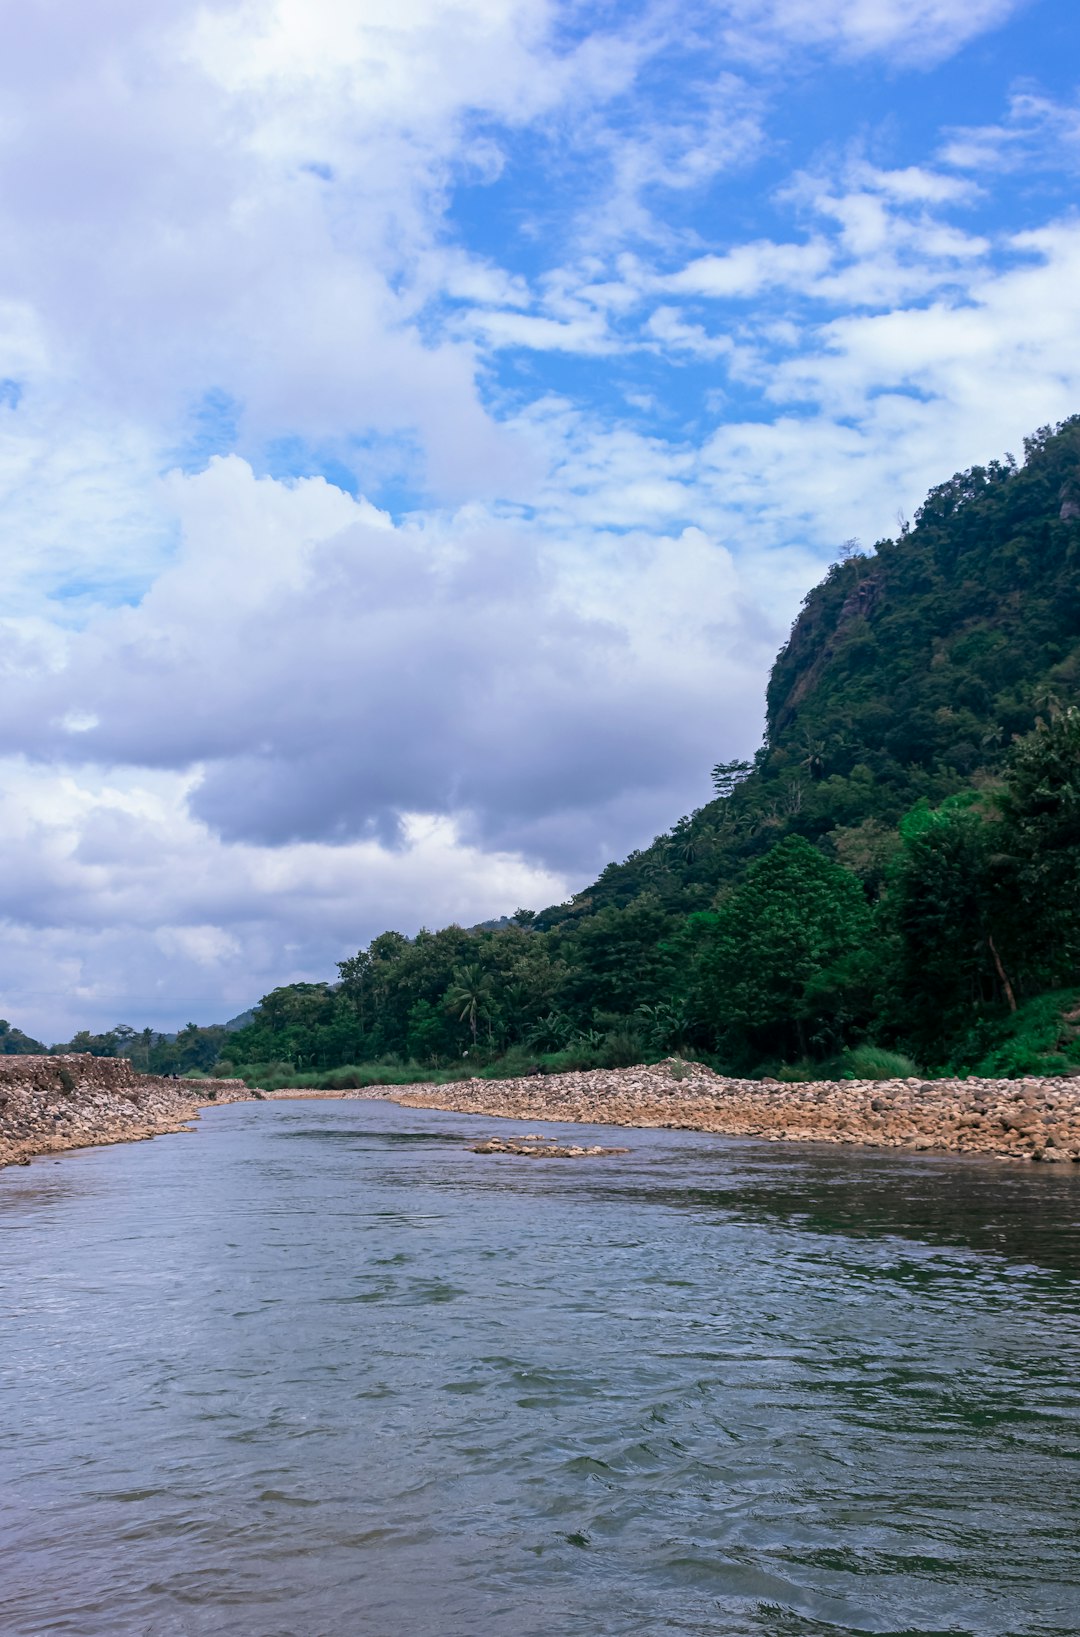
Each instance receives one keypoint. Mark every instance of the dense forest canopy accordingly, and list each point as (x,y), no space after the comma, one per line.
(898,869)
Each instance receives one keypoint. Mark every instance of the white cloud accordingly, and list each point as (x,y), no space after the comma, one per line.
(326,672)
(122,906)
(676,336)
(1010,342)
(246,207)
(920,32)
(750,268)
(249,722)
(1037,132)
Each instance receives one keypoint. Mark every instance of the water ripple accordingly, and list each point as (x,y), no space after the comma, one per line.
(312,1374)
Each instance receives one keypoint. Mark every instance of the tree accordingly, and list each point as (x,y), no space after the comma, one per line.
(468,994)
(617,960)
(1041,834)
(427,1037)
(951,901)
(780,955)
(726,776)
(356,979)
(14,1043)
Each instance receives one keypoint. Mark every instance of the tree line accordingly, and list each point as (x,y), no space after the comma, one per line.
(928,938)
(895,869)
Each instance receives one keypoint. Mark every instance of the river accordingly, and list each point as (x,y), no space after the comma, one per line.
(318,1370)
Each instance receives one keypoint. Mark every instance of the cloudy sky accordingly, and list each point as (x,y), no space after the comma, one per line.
(420,419)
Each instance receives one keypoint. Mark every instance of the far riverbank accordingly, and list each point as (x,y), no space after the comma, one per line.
(1004,1119)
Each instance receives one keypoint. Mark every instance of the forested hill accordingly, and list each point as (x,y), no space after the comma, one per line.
(897,872)
(908,673)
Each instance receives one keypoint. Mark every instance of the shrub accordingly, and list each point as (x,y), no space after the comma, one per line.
(1039,1038)
(623,1048)
(804,1069)
(875,1063)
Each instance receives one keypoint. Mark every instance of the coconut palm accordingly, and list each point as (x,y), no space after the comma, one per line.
(469,990)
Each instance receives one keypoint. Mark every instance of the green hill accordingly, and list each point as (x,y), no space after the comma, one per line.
(898,871)
(907,675)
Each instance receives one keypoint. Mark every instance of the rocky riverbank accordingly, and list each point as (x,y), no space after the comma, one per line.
(48,1104)
(1007,1119)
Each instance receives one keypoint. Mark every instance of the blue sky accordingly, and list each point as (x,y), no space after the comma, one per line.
(420,422)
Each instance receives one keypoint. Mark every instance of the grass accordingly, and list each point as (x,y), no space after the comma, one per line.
(1041,1037)
(357,1076)
(875,1063)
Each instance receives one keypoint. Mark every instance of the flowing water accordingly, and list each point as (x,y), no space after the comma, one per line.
(318,1370)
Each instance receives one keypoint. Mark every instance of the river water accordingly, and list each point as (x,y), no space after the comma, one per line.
(319,1370)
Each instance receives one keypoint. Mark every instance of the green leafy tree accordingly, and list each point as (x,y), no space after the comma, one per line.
(952,904)
(1041,837)
(616,961)
(727,776)
(780,956)
(428,1040)
(13,1043)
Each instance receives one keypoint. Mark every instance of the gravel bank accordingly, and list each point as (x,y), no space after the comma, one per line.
(1008,1119)
(48,1104)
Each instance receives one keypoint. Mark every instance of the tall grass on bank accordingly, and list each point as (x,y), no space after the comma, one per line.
(356,1076)
(1041,1037)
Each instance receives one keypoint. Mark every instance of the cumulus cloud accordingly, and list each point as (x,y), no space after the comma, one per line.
(327,672)
(122,906)
(614,427)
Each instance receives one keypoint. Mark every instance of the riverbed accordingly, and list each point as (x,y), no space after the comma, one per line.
(318,1369)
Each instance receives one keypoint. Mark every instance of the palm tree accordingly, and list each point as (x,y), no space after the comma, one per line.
(469,989)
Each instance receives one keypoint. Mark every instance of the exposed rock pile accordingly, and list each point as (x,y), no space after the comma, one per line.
(535,1148)
(1014,1119)
(78,1101)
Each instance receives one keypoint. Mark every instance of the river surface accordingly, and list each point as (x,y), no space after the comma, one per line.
(318,1370)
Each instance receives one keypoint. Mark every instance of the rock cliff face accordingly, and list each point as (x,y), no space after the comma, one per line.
(77,1101)
(1005,1119)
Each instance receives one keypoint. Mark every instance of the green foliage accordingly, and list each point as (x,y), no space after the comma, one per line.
(624,1047)
(778,958)
(13,1043)
(868,1062)
(949,907)
(194,1048)
(1041,1037)
(1041,808)
(727,776)
(469,995)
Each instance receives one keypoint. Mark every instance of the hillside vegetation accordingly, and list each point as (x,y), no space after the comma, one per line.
(895,879)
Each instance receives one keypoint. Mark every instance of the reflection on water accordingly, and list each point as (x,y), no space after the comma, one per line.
(320,1369)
